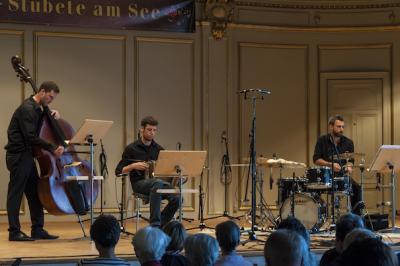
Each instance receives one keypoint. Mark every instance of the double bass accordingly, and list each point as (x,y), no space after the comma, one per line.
(58,194)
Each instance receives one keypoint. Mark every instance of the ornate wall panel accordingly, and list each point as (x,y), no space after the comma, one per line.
(12,93)
(90,71)
(165,88)
(282,118)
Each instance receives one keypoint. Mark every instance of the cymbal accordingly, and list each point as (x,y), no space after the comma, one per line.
(349,155)
(282,163)
(277,163)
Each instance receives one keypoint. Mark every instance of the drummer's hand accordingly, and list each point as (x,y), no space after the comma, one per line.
(336,167)
(349,169)
(58,151)
(141,166)
(55,114)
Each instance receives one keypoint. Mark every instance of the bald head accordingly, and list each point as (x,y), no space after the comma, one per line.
(286,248)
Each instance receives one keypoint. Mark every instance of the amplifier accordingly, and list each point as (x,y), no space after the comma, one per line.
(379,221)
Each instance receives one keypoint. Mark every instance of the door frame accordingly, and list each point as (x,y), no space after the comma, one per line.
(387,117)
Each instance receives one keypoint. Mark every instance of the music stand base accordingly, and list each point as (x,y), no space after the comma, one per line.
(201,226)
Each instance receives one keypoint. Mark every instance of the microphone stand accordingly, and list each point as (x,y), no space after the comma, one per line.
(251,232)
(226,177)
(333,188)
(103,171)
(202,224)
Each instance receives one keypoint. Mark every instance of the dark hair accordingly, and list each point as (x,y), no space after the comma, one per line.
(105,231)
(346,224)
(149,120)
(48,86)
(228,235)
(177,233)
(332,119)
(294,224)
(369,251)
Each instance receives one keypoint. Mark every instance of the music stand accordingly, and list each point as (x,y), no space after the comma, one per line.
(90,133)
(386,160)
(179,164)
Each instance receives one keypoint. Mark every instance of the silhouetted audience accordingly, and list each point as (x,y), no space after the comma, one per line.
(368,251)
(150,244)
(201,250)
(173,256)
(228,237)
(286,248)
(344,225)
(105,233)
(357,234)
(292,223)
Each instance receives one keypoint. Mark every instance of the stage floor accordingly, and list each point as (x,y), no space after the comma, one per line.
(72,246)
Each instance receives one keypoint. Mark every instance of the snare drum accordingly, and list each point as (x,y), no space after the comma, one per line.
(285,186)
(319,178)
(341,183)
(309,210)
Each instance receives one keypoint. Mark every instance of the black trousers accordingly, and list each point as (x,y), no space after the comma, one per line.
(149,188)
(23,179)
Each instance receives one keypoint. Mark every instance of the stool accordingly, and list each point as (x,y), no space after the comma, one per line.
(139,200)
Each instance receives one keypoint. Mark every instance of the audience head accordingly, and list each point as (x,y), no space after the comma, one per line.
(201,250)
(150,244)
(357,234)
(345,225)
(228,236)
(292,223)
(286,248)
(105,232)
(177,233)
(368,251)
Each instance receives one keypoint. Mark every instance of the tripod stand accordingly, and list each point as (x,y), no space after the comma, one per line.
(256,96)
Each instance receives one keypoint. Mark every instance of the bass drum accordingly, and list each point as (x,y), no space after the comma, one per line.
(310,211)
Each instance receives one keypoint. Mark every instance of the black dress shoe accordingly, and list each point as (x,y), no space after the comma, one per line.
(19,236)
(42,234)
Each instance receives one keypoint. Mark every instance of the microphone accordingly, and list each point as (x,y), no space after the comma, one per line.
(223,136)
(259,90)
(178,146)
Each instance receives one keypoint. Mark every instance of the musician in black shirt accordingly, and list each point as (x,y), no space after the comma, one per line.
(135,161)
(333,144)
(23,136)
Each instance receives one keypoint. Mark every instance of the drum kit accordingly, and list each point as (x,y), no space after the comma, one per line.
(307,197)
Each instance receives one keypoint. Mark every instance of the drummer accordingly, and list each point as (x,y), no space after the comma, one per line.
(329,146)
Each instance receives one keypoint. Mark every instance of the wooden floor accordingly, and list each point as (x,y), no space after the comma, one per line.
(72,246)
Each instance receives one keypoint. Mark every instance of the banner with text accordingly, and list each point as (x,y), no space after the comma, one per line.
(162,15)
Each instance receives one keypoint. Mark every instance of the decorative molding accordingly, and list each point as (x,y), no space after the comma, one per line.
(319,4)
(219,13)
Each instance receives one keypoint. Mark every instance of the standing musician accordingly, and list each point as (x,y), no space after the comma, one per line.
(23,136)
(135,162)
(335,143)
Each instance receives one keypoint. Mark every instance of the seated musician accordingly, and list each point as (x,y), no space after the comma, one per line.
(135,162)
(335,143)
